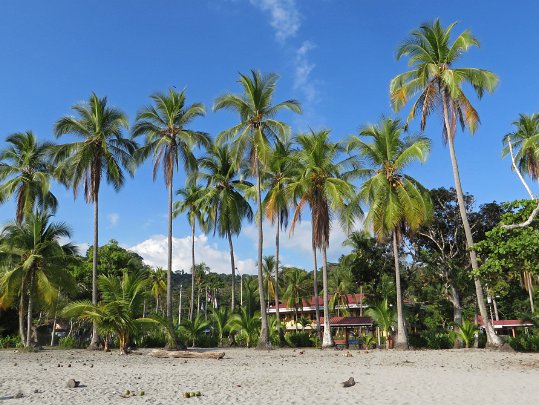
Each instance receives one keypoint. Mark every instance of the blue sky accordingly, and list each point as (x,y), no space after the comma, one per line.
(335,56)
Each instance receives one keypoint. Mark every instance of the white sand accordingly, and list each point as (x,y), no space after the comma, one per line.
(277,377)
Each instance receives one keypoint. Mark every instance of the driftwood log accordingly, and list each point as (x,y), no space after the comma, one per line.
(184,354)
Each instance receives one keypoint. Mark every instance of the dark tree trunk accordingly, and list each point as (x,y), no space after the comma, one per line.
(402,339)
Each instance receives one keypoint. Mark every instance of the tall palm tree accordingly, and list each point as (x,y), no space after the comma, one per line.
(396,200)
(102,150)
(223,196)
(296,281)
(196,212)
(35,262)
(323,186)
(439,84)
(25,167)
(267,267)
(157,280)
(251,138)
(281,169)
(164,124)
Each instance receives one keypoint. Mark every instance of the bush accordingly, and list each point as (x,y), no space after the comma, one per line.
(432,339)
(525,343)
(10,342)
(299,339)
(154,338)
(68,342)
(206,340)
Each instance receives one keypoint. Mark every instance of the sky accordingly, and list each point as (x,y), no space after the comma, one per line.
(335,56)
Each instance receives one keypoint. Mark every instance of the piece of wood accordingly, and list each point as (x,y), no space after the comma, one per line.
(184,354)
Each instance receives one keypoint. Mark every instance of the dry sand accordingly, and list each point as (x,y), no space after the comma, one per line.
(281,376)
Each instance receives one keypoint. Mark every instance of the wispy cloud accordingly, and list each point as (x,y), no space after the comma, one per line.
(285,18)
(113,218)
(302,74)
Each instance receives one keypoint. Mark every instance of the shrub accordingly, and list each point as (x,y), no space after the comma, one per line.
(434,339)
(207,340)
(68,342)
(300,339)
(10,342)
(525,343)
(154,338)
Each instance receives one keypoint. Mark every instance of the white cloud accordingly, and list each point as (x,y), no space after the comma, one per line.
(154,253)
(285,18)
(113,218)
(302,72)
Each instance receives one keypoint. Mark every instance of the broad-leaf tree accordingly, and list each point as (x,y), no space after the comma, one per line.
(251,139)
(439,84)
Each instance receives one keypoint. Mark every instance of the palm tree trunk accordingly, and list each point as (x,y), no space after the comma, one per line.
(22,304)
(198,302)
(193,270)
(277,315)
(95,338)
(233,268)
(492,338)
(327,340)
(402,340)
(172,336)
(30,309)
(54,317)
(263,342)
(529,287)
(315,288)
(457,314)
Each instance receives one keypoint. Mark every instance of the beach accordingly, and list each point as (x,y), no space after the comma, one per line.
(282,376)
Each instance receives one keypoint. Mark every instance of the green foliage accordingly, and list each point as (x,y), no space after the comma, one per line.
(68,342)
(7,342)
(369,341)
(382,315)
(466,332)
(156,337)
(194,329)
(247,327)
(525,343)
(298,339)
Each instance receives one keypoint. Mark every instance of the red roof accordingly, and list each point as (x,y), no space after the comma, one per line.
(348,321)
(506,323)
(311,302)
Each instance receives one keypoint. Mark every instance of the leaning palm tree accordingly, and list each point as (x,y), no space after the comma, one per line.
(322,185)
(227,205)
(35,262)
(102,150)
(440,86)
(396,200)
(280,171)
(168,140)
(251,139)
(25,167)
(196,212)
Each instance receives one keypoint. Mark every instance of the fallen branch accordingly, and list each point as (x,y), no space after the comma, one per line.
(183,354)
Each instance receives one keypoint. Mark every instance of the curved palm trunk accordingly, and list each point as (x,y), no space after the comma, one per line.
(30,309)
(327,340)
(193,269)
(276,287)
(95,337)
(233,268)
(263,342)
(402,340)
(315,288)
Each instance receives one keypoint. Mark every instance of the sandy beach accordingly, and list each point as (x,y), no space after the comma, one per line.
(279,376)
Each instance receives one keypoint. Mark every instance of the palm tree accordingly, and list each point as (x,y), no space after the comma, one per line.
(341,283)
(193,328)
(219,317)
(168,140)
(439,84)
(118,310)
(383,316)
(296,281)
(35,264)
(251,138)
(101,150)
(396,200)
(268,266)
(201,271)
(228,206)
(246,325)
(322,184)
(158,285)
(281,169)
(25,167)
(196,212)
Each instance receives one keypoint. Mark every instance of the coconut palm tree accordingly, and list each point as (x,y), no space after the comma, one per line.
(341,283)
(251,139)
(196,212)
(35,262)
(119,309)
(25,167)
(227,205)
(440,86)
(280,170)
(383,316)
(396,200)
(220,317)
(322,185)
(267,267)
(296,281)
(102,150)
(245,325)
(193,328)
(168,140)
(157,280)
